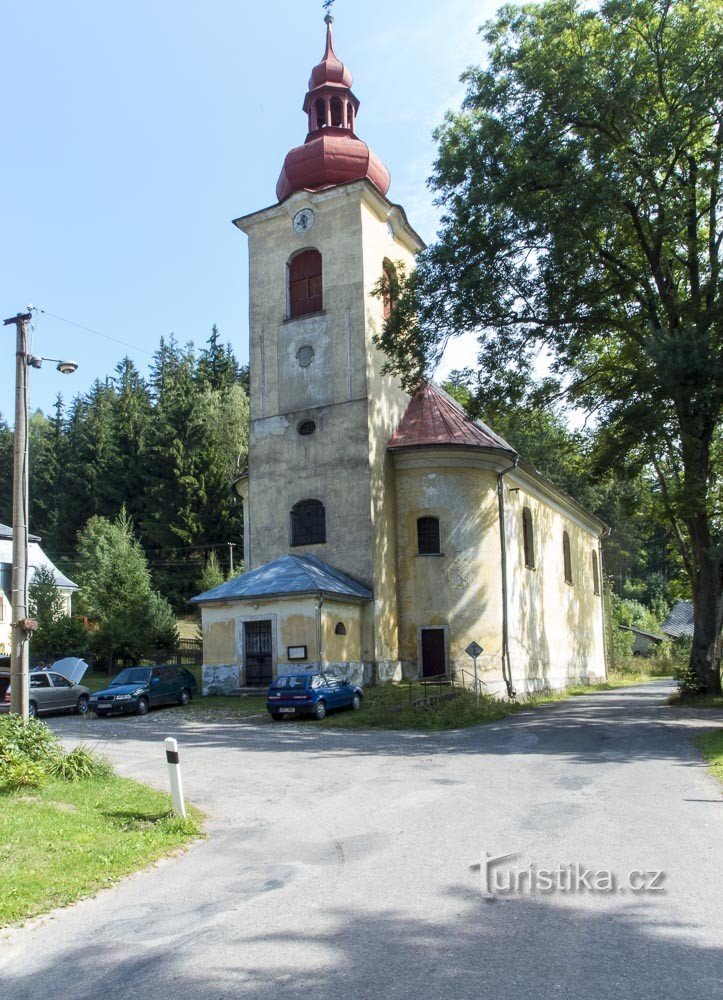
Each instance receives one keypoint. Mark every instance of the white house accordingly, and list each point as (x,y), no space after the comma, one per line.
(36,559)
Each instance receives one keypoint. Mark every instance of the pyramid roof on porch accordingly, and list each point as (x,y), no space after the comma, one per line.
(284,577)
(432,417)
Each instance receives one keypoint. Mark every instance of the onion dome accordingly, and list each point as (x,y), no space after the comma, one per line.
(333,153)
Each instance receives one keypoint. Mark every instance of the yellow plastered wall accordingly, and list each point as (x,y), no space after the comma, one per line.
(556,628)
(462,587)
(342,648)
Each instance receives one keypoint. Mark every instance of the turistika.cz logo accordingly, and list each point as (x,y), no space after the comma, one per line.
(497,878)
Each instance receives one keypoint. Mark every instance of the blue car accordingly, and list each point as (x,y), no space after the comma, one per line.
(312,693)
(137,689)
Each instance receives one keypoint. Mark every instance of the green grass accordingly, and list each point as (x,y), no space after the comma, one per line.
(711,746)
(697,701)
(617,679)
(388,707)
(67,840)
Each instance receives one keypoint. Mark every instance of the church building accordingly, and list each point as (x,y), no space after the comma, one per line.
(383,534)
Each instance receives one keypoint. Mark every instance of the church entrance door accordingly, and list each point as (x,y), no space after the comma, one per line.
(434,661)
(258,659)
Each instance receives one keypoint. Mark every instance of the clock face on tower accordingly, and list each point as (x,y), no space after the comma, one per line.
(304,220)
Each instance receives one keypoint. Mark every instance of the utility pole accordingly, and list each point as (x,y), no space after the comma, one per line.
(19,674)
(231,547)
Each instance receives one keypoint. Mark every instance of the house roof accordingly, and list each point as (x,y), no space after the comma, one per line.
(7,532)
(641,631)
(284,577)
(679,621)
(433,418)
(36,559)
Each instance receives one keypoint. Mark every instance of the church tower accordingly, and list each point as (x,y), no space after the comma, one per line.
(321,411)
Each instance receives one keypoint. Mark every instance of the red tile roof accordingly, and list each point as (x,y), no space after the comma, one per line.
(434,418)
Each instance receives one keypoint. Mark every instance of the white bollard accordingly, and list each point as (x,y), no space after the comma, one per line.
(174,774)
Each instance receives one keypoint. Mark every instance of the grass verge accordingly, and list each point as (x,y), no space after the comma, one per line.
(696,701)
(66,840)
(711,746)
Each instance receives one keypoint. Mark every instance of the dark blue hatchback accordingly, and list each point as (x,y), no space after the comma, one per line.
(313,693)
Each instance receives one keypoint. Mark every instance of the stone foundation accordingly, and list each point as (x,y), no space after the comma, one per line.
(223,679)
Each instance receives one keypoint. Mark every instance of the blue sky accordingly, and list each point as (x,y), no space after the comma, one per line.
(134,133)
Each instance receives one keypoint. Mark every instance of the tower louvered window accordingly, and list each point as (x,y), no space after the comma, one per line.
(305,283)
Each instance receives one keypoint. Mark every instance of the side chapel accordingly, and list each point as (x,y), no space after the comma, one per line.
(382,534)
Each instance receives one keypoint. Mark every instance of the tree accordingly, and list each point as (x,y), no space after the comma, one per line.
(57,634)
(116,591)
(581,189)
(211,574)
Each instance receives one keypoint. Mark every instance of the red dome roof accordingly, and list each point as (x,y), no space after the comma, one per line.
(332,153)
(328,159)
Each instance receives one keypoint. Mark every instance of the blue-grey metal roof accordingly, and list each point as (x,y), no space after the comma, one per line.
(679,621)
(7,532)
(285,576)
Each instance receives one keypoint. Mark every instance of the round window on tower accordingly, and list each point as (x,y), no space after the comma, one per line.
(305,355)
(306,427)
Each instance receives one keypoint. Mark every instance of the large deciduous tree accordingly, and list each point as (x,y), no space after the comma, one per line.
(581,192)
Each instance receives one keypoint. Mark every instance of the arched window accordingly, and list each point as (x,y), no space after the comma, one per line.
(595,573)
(340,629)
(428,536)
(349,115)
(337,112)
(528,538)
(390,287)
(320,108)
(308,523)
(567,557)
(305,284)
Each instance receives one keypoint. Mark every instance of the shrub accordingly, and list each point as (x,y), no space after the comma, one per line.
(689,684)
(17,772)
(81,764)
(32,740)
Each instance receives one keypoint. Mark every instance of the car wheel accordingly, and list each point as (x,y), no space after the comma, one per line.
(142,706)
(320,710)
(32,709)
(81,706)
(356,702)
(184,697)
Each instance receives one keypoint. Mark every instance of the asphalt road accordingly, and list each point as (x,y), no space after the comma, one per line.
(338,864)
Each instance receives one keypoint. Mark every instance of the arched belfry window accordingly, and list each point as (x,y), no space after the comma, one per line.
(390,287)
(567,557)
(305,283)
(320,109)
(428,541)
(308,523)
(528,538)
(595,573)
(337,112)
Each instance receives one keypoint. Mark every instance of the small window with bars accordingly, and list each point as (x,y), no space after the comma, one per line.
(308,523)
(428,540)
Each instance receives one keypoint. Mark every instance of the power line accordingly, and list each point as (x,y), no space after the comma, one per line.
(89,329)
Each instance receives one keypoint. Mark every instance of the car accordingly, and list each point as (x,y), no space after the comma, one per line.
(138,689)
(49,691)
(314,692)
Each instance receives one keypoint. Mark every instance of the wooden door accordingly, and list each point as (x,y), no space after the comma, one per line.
(434,660)
(257,649)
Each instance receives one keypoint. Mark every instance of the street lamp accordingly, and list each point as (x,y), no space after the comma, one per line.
(22,625)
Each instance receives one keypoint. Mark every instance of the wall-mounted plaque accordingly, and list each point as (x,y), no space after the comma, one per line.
(296,652)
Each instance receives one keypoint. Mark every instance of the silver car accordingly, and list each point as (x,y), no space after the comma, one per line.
(49,692)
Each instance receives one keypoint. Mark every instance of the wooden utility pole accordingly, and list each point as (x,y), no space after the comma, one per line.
(19,674)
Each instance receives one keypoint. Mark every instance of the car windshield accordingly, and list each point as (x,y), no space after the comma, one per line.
(132,675)
(291,681)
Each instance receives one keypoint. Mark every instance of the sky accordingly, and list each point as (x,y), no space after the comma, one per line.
(135,133)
